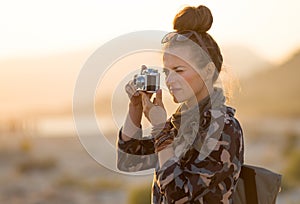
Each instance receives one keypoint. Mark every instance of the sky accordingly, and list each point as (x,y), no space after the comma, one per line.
(32,27)
(37,37)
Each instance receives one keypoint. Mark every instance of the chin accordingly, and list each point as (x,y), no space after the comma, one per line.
(177,100)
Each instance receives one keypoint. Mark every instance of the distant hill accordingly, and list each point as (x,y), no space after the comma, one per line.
(273,91)
(45,85)
(243,61)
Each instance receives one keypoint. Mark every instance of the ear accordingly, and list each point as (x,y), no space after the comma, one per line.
(210,70)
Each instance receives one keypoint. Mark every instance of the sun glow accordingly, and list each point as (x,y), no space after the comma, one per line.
(38,38)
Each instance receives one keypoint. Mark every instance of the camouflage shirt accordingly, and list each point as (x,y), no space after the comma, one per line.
(193,177)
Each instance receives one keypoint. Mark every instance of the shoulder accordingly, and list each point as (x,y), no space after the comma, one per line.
(224,116)
(232,125)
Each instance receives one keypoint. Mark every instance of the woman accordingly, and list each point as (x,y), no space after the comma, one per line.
(198,152)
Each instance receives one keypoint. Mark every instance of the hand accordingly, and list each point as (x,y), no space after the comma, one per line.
(135,112)
(154,111)
(134,95)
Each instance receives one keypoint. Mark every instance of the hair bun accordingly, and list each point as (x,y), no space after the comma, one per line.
(204,17)
(198,19)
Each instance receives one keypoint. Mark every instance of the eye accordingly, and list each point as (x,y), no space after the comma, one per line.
(179,69)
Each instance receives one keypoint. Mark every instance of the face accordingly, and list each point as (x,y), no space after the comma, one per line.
(183,81)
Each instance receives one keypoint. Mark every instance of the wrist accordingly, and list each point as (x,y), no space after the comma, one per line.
(135,106)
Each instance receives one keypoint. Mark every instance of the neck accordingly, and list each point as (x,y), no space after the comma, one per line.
(199,97)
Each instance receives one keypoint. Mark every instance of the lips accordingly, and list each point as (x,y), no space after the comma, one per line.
(172,90)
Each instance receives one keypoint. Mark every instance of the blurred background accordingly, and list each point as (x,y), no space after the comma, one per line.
(44,45)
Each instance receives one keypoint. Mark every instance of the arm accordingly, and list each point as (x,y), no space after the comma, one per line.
(194,177)
(134,152)
(134,116)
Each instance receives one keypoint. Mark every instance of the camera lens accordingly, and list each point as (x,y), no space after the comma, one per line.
(140,83)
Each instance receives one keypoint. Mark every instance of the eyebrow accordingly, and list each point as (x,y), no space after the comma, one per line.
(173,68)
(180,66)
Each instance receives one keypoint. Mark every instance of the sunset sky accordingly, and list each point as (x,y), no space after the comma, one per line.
(32,27)
(44,32)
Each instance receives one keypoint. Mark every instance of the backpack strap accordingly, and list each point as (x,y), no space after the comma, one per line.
(248,176)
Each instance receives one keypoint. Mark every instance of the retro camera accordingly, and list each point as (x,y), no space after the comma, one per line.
(148,80)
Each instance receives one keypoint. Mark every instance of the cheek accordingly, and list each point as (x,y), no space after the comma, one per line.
(193,81)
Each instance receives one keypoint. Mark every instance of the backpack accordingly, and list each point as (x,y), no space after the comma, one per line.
(257,185)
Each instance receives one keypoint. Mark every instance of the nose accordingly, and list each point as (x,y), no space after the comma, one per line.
(170,78)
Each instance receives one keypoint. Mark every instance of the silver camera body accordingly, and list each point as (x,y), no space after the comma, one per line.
(148,80)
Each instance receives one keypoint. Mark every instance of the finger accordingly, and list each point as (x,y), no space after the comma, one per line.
(130,89)
(158,98)
(143,67)
(155,101)
(133,87)
(149,95)
(131,82)
(146,100)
